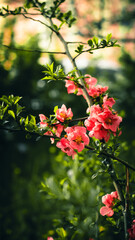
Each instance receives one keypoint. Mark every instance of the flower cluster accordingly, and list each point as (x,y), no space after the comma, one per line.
(57,129)
(90,84)
(75,139)
(108,200)
(131,231)
(103,120)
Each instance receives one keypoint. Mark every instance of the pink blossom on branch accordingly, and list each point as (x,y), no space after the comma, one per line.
(65,146)
(131,231)
(57,129)
(95,91)
(90,84)
(71,86)
(106,211)
(97,130)
(77,137)
(108,102)
(109,120)
(108,200)
(102,121)
(63,113)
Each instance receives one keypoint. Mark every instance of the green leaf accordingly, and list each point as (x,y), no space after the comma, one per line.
(55,109)
(33,120)
(103,43)
(108,37)
(17,99)
(61,232)
(90,42)
(79,48)
(72,20)
(55,27)
(11,113)
(95,40)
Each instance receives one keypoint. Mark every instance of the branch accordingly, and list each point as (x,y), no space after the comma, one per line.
(89,50)
(88,99)
(113,157)
(27,132)
(37,20)
(30,50)
(87,147)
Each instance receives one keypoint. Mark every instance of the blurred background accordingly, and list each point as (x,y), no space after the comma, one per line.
(26,213)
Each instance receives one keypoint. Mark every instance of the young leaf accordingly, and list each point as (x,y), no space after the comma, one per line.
(61,232)
(79,48)
(55,109)
(108,37)
(90,42)
(95,40)
(11,113)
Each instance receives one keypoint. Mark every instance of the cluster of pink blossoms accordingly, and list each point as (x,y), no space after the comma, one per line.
(57,129)
(75,139)
(90,84)
(108,200)
(131,231)
(103,120)
(62,114)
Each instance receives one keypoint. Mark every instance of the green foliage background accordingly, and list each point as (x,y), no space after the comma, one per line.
(69,197)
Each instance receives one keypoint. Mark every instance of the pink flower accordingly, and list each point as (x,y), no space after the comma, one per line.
(89,82)
(106,211)
(71,86)
(109,120)
(131,231)
(65,146)
(57,129)
(95,91)
(102,121)
(50,238)
(43,119)
(77,137)
(108,102)
(98,131)
(44,124)
(96,128)
(63,114)
(108,200)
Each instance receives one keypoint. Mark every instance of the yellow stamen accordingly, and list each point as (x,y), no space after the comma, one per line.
(78,139)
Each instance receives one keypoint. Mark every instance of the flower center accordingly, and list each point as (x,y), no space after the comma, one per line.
(64,115)
(78,139)
(108,121)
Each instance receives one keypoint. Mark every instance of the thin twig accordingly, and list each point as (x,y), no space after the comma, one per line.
(30,50)
(37,20)
(27,132)
(89,50)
